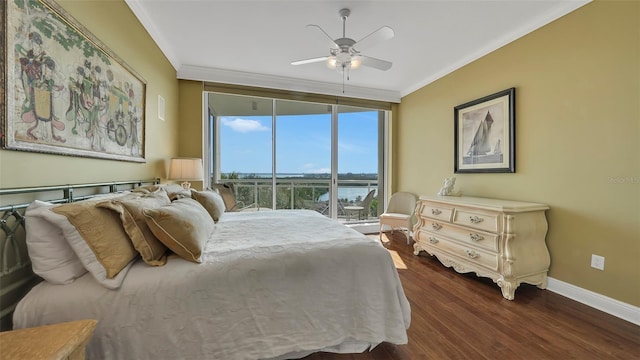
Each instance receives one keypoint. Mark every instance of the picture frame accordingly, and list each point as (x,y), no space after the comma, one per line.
(64,91)
(484,134)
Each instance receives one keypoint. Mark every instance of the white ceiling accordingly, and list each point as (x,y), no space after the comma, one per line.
(254,42)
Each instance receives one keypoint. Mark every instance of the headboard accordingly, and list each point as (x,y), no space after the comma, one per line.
(16,276)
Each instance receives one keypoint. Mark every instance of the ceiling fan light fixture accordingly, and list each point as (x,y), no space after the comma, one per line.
(344,52)
(355,63)
(332,63)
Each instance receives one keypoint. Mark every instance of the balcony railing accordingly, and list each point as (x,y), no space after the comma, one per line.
(302,193)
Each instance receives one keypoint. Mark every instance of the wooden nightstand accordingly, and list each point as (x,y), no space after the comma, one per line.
(58,341)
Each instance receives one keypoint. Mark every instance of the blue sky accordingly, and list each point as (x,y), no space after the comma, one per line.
(303,143)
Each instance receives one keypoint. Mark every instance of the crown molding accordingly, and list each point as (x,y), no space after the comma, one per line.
(153,31)
(199,73)
(563,8)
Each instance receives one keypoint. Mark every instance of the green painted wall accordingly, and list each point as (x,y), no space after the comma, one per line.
(116,26)
(577,133)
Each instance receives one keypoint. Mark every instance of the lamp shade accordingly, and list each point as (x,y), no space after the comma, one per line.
(186,169)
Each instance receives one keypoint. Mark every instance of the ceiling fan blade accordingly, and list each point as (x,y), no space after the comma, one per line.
(331,43)
(384,33)
(374,63)
(309,61)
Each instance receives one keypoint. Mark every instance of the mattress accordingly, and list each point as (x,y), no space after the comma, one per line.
(272,284)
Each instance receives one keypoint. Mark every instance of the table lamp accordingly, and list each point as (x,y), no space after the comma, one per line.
(186,169)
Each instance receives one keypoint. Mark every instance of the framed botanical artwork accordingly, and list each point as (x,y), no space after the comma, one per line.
(64,91)
(484,136)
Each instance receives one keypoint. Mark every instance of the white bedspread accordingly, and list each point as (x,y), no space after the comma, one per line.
(272,283)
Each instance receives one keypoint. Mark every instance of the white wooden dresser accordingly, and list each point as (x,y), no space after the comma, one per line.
(499,239)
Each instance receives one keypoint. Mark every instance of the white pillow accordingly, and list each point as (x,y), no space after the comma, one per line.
(51,256)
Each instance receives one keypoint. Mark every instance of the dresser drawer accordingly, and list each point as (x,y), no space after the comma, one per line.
(436,211)
(476,220)
(474,237)
(470,254)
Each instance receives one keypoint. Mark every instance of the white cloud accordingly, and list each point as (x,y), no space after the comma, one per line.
(350,147)
(321,171)
(244,125)
(312,168)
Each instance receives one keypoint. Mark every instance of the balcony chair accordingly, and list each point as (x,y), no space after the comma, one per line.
(317,205)
(228,196)
(363,209)
(399,213)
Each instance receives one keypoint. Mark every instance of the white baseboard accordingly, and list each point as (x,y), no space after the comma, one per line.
(611,306)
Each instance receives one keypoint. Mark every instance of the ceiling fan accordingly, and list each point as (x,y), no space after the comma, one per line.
(344,52)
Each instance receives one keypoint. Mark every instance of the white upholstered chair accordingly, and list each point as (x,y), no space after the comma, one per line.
(399,213)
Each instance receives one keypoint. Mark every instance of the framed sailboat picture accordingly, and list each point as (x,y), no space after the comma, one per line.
(485,134)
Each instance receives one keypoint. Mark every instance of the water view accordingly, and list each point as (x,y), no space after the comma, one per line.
(365,183)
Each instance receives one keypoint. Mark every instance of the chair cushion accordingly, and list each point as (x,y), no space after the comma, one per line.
(395,216)
(396,220)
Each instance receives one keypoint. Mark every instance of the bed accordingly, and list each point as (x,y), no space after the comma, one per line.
(264,285)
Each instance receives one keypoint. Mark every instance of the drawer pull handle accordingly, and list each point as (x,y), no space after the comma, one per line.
(436,212)
(476,237)
(436,226)
(472,254)
(433,240)
(474,219)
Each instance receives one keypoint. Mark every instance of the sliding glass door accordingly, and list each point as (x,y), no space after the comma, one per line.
(303,155)
(283,154)
(358,161)
(241,143)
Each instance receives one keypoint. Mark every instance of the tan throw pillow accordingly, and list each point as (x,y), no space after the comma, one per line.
(175,191)
(96,235)
(146,189)
(212,201)
(184,226)
(152,250)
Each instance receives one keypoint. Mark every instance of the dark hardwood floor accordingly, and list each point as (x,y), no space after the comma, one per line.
(461,316)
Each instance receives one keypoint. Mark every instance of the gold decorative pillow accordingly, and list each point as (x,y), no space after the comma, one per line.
(212,202)
(152,250)
(184,226)
(96,235)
